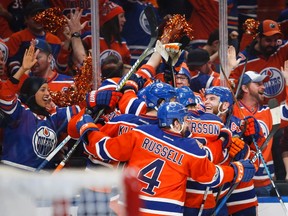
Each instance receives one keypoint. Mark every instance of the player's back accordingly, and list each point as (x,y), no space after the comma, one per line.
(165,160)
(126,122)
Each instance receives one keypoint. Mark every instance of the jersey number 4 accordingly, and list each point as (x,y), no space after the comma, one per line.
(150,175)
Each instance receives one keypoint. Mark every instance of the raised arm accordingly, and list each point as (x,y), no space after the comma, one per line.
(29,59)
(75,27)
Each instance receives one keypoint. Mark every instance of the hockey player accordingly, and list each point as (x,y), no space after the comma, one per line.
(219,100)
(161,150)
(208,129)
(154,95)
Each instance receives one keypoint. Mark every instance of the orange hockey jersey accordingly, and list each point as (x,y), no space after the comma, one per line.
(164,160)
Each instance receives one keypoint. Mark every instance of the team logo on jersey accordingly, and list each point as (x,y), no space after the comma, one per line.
(264,128)
(144,23)
(44,141)
(276,83)
(107,53)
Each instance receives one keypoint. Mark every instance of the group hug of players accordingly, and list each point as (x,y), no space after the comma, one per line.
(189,151)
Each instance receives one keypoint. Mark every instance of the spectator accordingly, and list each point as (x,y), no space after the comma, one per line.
(3,58)
(73,49)
(182,79)
(136,29)
(11,18)
(42,68)
(67,7)
(20,41)
(111,67)
(112,20)
(213,44)
(251,98)
(34,122)
(212,47)
(205,18)
(4,52)
(199,64)
(266,55)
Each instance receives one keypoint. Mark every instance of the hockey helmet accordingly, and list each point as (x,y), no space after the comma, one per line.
(186,96)
(169,111)
(157,91)
(223,92)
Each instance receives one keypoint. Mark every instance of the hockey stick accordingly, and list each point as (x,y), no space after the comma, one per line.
(151,18)
(241,77)
(224,200)
(53,153)
(276,120)
(275,112)
(260,155)
(204,200)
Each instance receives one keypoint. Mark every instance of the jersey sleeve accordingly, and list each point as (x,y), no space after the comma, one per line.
(105,148)
(131,104)
(8,98)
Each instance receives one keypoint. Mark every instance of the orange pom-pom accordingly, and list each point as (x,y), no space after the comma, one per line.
(175,28)
(52,19)
(76,93)
(250,26)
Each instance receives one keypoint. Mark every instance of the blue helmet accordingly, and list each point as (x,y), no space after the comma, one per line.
(169,111)
(223,92)
(141,94)
(185,96)
(156,91)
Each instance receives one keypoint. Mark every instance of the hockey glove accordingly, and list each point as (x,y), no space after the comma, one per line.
(244,171)
(226,136)
(236,146)
(134,83)
(170,50)
(252,127)
(104,99)
(71,128)
(84,125)
(243,154)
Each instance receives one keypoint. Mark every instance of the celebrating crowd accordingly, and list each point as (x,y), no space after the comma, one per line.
(201,144)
